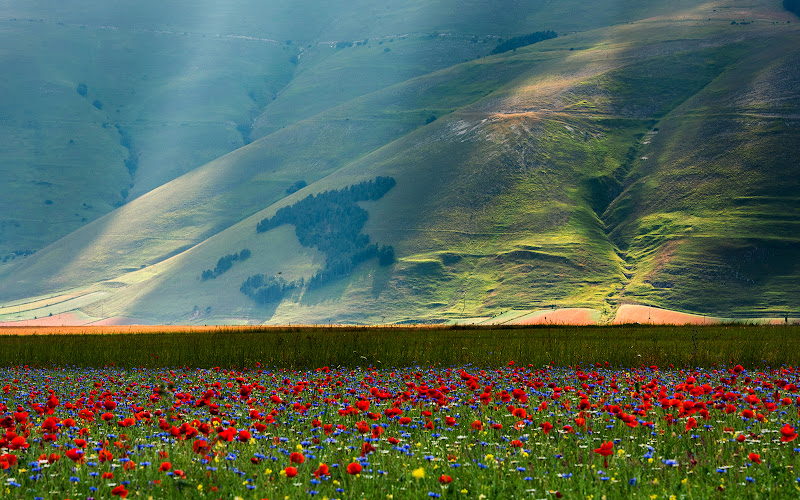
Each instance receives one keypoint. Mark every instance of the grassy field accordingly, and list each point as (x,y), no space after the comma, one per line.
(309,347)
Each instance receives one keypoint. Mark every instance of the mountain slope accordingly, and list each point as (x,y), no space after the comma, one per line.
(596,168)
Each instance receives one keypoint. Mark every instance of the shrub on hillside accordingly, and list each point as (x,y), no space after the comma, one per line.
(522,41)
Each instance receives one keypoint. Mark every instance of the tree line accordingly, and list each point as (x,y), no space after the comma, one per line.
(529,39)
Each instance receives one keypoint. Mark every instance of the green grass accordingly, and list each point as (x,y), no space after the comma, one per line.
(310,347)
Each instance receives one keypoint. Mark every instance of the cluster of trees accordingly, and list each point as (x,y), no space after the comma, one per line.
(268,289)
(522,41)
(332,221)
(792,6)
(224,263)
(297,186)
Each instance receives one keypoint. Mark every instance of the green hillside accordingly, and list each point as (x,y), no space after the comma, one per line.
(647,161)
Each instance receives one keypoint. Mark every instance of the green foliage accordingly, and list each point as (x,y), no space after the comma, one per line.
(297,186)
(295,348)
(522,41)
(332,222)
(267,289)
(82,89)
(386,255)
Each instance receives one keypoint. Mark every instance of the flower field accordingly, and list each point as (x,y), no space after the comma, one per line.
(515,431)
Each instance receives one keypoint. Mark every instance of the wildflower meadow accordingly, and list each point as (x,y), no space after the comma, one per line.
(511,430)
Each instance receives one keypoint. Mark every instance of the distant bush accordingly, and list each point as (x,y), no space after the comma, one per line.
(386,255)
(522,41)
(82,89)
(297,186)
(792,6)
(97,104)
(266,289)
(430,120)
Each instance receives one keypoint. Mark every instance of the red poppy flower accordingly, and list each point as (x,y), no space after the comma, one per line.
(17,443)
(297,458)
(322,470)
(244,436)
(366,448)
(80,443)
(476,425)
(354,468)
(691,423)
(108,475)
(165,466)
(119,491)
(605,449)
(290,471)
(445,479)
(754,457)
(546,427)
(788,433)
(105,456)
(74,454)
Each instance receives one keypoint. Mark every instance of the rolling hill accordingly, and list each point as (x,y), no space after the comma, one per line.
(645,155)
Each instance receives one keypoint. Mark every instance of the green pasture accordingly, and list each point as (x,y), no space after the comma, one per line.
(311,347)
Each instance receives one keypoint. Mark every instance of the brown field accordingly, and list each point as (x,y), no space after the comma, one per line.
(629,313)
(575,316)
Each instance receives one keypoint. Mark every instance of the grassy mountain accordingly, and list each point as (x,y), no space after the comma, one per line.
(648,161)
